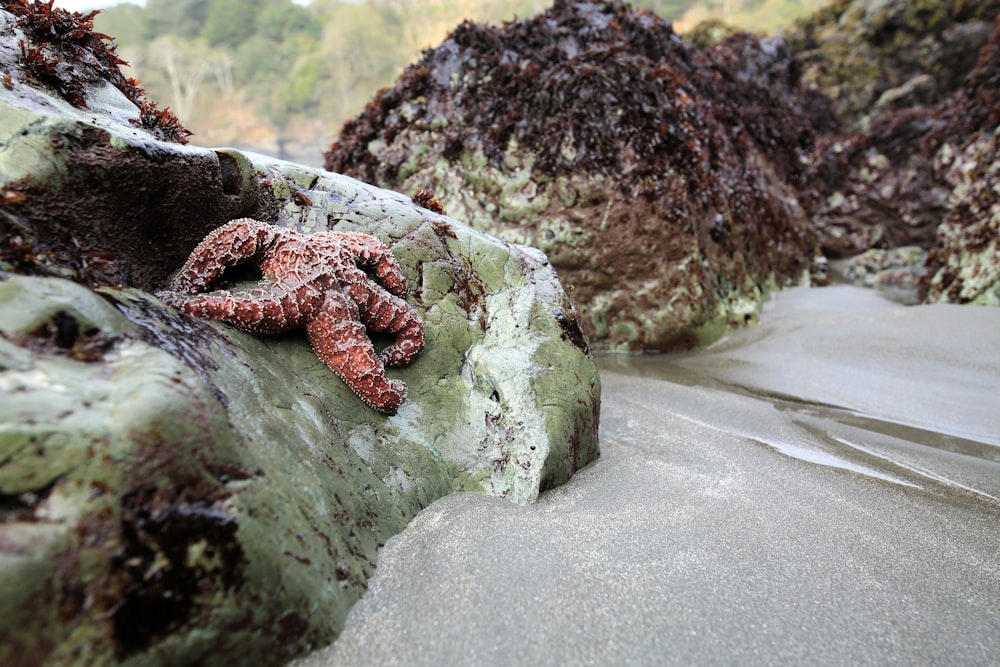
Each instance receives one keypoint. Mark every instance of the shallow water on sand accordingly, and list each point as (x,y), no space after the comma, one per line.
(903,393)
(822,489)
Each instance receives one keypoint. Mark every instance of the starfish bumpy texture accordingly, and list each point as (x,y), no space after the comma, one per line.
(316,281)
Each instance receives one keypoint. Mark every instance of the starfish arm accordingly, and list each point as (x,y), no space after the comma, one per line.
(371,254)
(340,340)
(233,243)
(316,281)
(382,312)
(262,311)
(408,344)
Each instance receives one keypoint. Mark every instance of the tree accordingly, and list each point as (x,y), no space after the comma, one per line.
(230,22)
(127,23)
(281,19)
(184,18)
(185,65)
(363,48)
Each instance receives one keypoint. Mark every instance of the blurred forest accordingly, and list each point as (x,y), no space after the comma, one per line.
(279,78)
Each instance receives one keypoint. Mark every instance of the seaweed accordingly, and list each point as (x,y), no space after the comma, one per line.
(585,86)
(62,46)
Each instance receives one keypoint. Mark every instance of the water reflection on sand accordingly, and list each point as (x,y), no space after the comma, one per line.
(911,395)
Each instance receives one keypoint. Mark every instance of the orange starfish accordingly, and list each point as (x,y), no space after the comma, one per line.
(315,281)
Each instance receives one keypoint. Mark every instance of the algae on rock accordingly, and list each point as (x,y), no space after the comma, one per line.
(964,266)
(657,178)
(179,492)
(873,57)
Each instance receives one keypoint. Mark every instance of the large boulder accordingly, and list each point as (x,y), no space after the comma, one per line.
(175,491)
(659,179)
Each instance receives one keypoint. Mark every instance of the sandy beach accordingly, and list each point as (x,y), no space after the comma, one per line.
(821,489)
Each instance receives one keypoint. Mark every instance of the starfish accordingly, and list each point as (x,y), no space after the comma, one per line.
(312,281)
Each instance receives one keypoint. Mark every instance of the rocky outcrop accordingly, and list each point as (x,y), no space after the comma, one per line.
(657,178)
(872,57)
(665,180)
(876,189)
(920,176)
(964,265)
(175,491)
(907,80)
(895,273)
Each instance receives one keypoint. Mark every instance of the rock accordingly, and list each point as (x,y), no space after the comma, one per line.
(709,32)
(175,491)
(870,55)
(888,186)
(914,92)
(895,273)
(875,189)
(862,269)
(964,265)
(901,284)
(657,178)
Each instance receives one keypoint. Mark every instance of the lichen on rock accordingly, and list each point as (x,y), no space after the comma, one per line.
(964,265)
(920,175)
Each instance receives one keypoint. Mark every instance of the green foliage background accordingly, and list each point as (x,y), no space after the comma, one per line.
(305,70)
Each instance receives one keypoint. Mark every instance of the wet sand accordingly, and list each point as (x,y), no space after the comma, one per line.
(822,489)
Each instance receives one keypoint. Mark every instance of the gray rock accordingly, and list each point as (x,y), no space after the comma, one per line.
(862,270)
(894,273)
(176,491)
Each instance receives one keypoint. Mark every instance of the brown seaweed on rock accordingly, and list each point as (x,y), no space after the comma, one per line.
(887,186)
(653,174)
(549,83)
(964,265)
(66,54)
(588,86)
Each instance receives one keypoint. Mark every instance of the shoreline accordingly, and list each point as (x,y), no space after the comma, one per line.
(744,510)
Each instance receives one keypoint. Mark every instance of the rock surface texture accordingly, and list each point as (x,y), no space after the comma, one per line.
(658,178)
(876,56)
(176,491)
